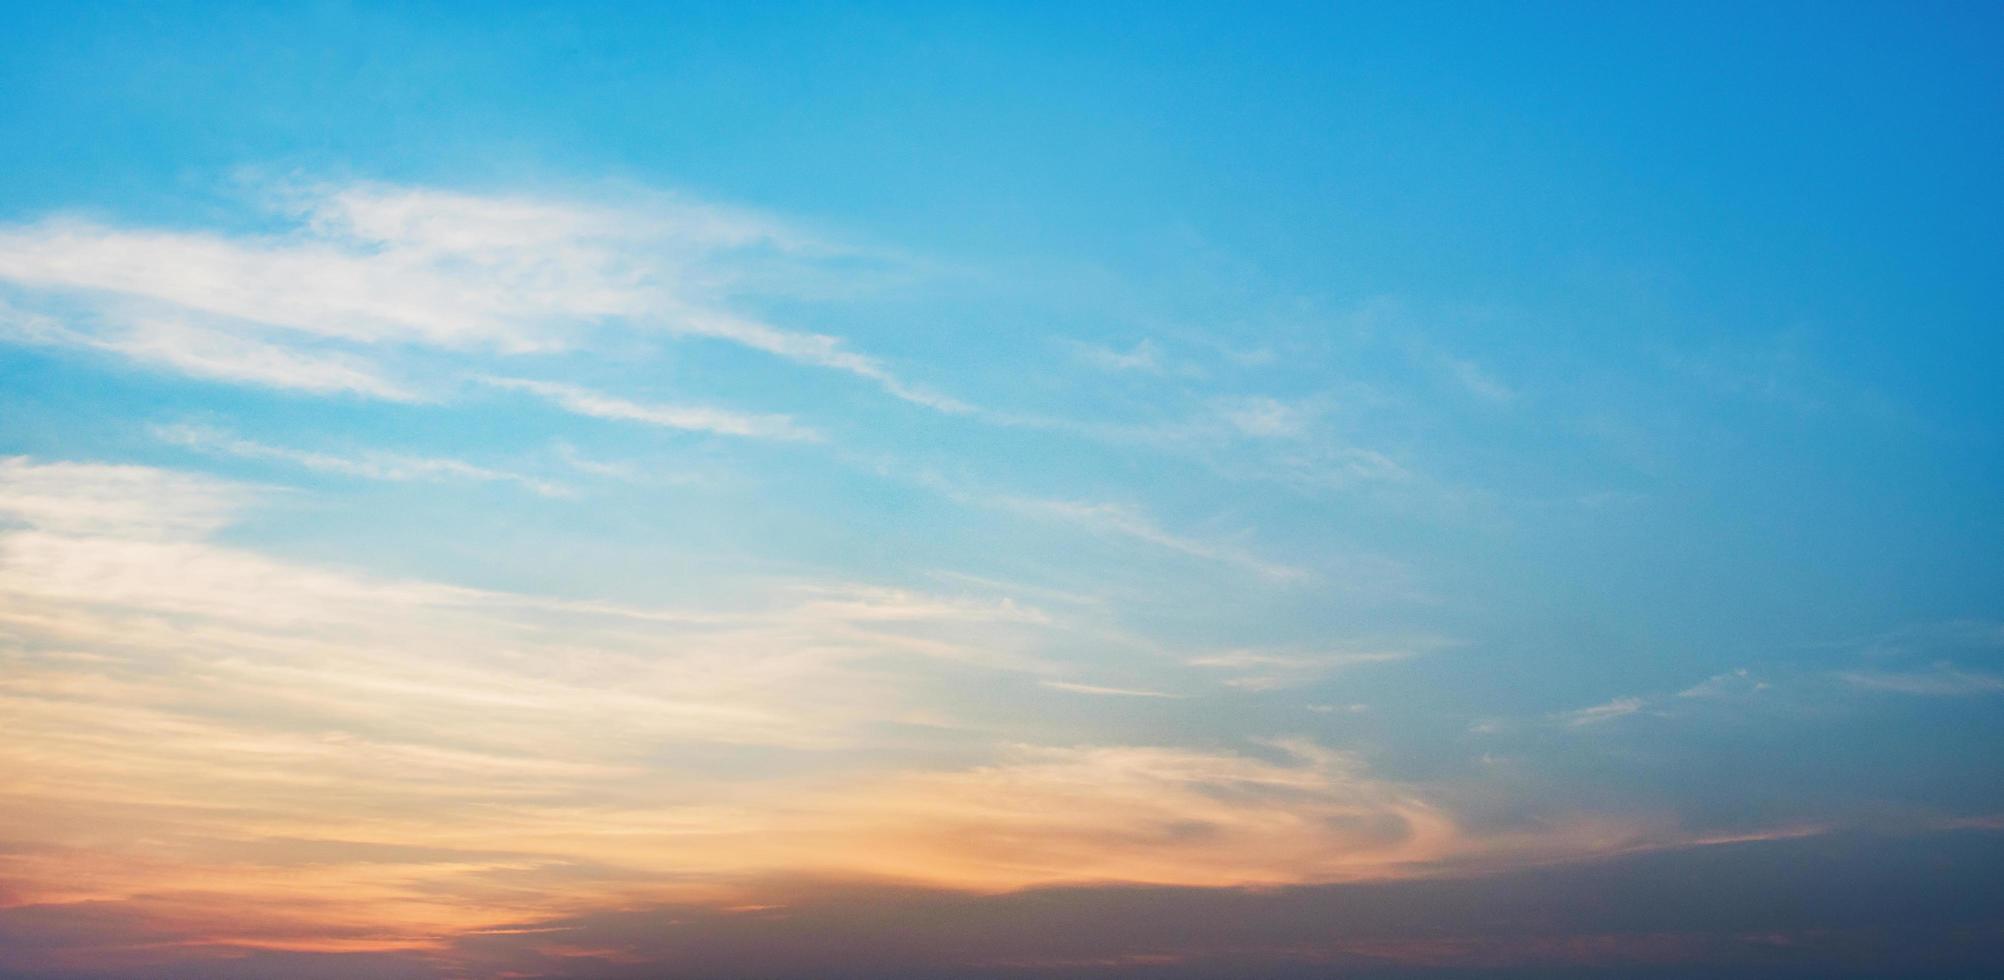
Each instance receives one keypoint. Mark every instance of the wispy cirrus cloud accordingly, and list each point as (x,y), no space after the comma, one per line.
(1144,357)
(177,344)
(1601,714)
(1266,418)
(1261,670)
(1150,814)
(1477,380)
(1733,688)
(1126,522)
(1941,680)
(106,557)
(694,418)
(374,465)
(1074,687)
(369,269)
(1114,520)
(1736,682)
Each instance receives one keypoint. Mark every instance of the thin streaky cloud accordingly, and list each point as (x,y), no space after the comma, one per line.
(1477,381)
(1258,439)
(382,266)
(221,355)
(1258,670)
(1733,682)
(1600,714)
(186,346)
(693,418)
(1065,596)
(1123,692)
(449,221)
(376,465)
(1144,357)
(1266,418)
(818,349)
(1115,520)
(1126,522)
(1943,680)
(605,469)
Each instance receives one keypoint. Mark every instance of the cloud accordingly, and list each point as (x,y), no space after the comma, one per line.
(394,467)
(1731,687)
(1248,438)
(240,751)
(1287,442)
(1729,684)
(1791,906)
(873,603)
(1119,692)
(1121,521)
(1144,357)
(121,615)
(604,469)
(207,352)
(1255,670)
(693,418)
(135,502)
(409,759)
(1943,680)
(372,267)
(1348,709)
(1267,418)
(1601,713)
(1141,814)
(1477,381)
(818,349)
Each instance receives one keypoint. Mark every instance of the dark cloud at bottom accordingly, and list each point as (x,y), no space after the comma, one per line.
(1848,905)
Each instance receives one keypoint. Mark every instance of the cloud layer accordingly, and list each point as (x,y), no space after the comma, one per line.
(361,272)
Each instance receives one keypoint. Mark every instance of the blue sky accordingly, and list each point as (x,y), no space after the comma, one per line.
(699,458)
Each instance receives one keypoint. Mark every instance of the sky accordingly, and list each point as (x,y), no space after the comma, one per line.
(1001,490)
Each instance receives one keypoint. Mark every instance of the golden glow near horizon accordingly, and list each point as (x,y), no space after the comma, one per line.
(273,754)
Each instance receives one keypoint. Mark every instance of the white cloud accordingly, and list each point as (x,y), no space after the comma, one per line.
(606,469)
(1144,357)
(1348,709)
(859,603)
(118,559)
(219,354)
(1257,670)
(1728,684)
(1119,692)
(395,467)
(1125,522)
(125,501)
(818,349)
(1944,680)
(1267,418)
(1476,381)
(1601,713)
(206,352)
(381,267)
(694,418)
(1259,438)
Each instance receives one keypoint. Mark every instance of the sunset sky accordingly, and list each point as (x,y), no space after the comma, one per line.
(1014,490)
